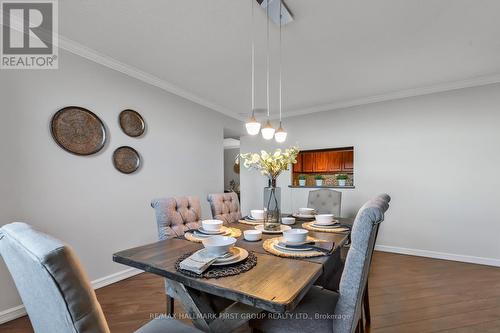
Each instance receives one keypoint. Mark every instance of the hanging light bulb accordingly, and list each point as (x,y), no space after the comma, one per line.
(252,125)
(280,134)
(268,131)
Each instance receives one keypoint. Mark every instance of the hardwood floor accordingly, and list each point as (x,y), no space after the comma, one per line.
(407,294)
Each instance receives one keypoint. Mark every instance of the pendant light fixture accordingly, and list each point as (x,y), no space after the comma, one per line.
(268,129)
(252,125)
(280,135)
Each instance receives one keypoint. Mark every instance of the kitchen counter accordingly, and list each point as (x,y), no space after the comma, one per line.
(325,186)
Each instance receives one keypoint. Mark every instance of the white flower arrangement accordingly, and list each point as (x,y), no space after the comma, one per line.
(270,165)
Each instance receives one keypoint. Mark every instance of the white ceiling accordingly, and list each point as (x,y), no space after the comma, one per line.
(335,53)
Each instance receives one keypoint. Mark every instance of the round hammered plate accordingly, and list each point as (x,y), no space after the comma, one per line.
(126,159)
(132,123)
(78,131)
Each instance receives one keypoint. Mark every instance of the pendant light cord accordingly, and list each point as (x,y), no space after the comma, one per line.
(253,60)
(280,97)
(267,78)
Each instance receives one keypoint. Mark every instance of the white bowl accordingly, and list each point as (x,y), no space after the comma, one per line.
(252,235)
(324,218)
(306,211)
(211,225)
(218,245)
(295,235)
(257,214)
(288,220)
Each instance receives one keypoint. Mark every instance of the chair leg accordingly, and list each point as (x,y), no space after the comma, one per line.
(366,305)
(170,305)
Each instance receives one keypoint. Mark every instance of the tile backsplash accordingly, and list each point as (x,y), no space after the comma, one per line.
(328,179)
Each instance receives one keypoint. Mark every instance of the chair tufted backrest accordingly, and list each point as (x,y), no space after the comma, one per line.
(325,201)
(225,207)
(357,265)
(51,281)
(176,215)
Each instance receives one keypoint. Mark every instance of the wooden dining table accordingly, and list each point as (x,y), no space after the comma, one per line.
(275,284)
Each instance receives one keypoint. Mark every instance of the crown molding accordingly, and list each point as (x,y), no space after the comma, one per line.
(93,55)
(104,60)
(420,91)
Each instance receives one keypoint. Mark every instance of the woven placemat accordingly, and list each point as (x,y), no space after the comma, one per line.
(268,245)
(215,272)
(235,232)
(309,226)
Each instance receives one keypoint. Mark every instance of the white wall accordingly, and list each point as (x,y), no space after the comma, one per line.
(229,174)
(438,156)
(84,200)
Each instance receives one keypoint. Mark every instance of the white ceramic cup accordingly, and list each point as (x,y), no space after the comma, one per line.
(295,235)
(324,219)
(306,211)
(211,225)
(257,214)
(252,235)
(288,220)
(218,245)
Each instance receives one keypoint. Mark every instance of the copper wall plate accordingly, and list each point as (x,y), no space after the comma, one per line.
(126,159)
(132,123)
(78,131)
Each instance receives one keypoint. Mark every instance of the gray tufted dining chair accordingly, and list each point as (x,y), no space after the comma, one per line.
(325,201)
(225,207)
(329,311)
(174,216)
(54,288)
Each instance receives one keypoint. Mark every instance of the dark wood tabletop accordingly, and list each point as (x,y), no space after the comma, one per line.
(275,284)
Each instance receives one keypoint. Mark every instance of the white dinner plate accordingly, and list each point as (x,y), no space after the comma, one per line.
(223,230)
(326,226)
(243,254)
(234,253)
(284,241)
(302,216)
(281,248)
(282,228)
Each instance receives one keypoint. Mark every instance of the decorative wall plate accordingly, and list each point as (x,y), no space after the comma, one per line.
(78,131)
(126,159)
(132,123)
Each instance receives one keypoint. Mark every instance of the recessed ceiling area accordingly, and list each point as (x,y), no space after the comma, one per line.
(334,52)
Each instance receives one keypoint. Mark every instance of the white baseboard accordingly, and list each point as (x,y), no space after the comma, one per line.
(115,277)
(12,313)
(19,311)
(439,255)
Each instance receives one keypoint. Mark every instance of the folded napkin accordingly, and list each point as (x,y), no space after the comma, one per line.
(198,262)
(323,246)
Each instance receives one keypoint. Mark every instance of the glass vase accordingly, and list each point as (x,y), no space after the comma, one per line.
(272,207)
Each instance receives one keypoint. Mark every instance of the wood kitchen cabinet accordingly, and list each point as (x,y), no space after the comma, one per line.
(297,167)
(348,160)
(308,161)
(327,161)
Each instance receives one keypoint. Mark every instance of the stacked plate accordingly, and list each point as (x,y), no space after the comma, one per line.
(283,244)
(235,255)
(303,216)
(253,220)
(325,221)
(201,232)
